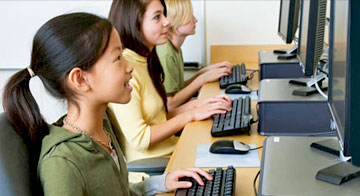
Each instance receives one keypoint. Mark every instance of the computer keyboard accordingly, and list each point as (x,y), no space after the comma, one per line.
(238,76)
(223,184)
(234,122)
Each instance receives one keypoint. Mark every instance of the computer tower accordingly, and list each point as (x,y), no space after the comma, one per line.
(281,113)
(271,67)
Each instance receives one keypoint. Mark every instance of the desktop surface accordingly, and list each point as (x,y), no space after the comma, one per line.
(196,133)
(289,166)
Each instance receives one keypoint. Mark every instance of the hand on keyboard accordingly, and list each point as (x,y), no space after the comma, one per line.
(173,178)
(216,105)
(224,64)
(223,184)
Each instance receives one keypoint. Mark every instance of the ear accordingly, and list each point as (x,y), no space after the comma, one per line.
(78,80)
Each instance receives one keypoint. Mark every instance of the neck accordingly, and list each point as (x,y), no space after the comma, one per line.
(177,40)
(87,117)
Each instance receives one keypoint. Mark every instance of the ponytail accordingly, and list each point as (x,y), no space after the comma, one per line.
(24,115)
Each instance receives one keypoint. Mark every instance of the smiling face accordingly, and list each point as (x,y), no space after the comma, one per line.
(109,78)
(154,25)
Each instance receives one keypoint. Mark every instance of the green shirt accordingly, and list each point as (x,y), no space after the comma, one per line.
(173,65)
(73,164)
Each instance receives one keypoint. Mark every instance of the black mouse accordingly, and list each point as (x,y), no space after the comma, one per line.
(237,89)
(225,146)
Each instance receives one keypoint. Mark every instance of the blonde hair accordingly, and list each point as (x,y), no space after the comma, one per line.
(179,12)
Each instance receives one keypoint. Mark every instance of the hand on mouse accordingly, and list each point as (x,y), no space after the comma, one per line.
(172,179)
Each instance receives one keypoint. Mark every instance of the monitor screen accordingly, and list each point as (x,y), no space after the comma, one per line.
(311,39)
(338,73)
(288,19)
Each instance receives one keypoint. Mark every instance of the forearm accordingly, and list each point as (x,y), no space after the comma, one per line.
(193,77)
(162,131)
(185,94)
(182,108)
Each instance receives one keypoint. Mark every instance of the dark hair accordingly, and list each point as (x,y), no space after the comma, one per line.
(126,16)
(61,44)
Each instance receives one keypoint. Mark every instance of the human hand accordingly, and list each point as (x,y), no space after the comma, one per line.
(224,64)
(172,179)
(208,107)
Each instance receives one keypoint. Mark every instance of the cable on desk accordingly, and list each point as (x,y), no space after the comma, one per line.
(257,111)
(255,191)
(256,148)
(251,75)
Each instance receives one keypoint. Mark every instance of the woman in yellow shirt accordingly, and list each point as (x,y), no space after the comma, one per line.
(147,127)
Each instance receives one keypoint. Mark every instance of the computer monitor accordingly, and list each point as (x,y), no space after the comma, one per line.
(288,19)
(311,34)
(344,94)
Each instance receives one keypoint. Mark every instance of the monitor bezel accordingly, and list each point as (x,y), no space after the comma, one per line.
(343,135)
(292,22)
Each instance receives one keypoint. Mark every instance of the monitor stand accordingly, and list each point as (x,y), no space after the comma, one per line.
(340,172)
(309,85)
(271,67)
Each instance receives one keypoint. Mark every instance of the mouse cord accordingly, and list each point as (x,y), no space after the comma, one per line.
(256,148)
(255,191)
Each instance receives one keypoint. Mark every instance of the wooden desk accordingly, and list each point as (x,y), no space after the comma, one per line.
(196,133)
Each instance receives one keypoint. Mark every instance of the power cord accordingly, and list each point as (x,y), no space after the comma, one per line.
(257,175)
(251,75)
(257,111)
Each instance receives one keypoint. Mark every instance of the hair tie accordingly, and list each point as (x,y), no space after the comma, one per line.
(31,72)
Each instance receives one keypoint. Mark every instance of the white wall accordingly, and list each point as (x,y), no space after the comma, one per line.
(241,22)
(222,21)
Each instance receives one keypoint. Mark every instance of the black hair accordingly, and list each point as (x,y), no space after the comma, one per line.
(126,16)
(61,44)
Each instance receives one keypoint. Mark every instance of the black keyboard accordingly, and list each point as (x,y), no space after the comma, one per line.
(223,184)
(234,122)
(238,76)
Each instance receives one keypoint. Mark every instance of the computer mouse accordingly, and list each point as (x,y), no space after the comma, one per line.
(237,89)
(226,146)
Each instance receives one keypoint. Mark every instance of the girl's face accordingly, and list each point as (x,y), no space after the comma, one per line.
(109,78)
(154,25)
(188,28)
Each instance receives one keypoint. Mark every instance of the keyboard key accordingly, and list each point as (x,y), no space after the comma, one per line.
(236,121)
(238,76)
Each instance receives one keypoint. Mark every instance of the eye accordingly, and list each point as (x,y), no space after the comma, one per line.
(157,17)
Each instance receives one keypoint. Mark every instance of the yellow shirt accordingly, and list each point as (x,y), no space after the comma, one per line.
(145,108)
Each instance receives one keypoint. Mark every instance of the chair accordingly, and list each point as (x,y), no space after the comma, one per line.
(152,166)
(14,159)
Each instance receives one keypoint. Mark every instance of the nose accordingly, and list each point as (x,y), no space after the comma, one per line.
(129,67)
(195,19)
(166,22)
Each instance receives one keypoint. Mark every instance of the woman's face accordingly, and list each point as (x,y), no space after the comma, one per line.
(154,25)
(188,28)
(110,75)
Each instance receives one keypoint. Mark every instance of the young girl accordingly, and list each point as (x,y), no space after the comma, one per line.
(147,128)
(78,57)
(183,23)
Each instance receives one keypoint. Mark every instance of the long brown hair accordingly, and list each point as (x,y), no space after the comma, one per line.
(126,16)
(61,44)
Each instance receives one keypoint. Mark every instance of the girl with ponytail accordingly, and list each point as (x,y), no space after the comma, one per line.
(78,58)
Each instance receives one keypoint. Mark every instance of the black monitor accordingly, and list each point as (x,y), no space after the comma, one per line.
(288,19)
(344,91)
(311,34)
